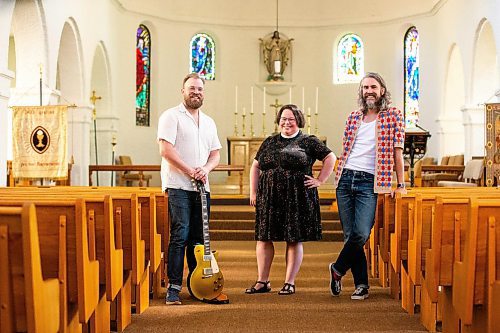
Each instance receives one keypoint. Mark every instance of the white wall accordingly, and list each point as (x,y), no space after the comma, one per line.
(452,22)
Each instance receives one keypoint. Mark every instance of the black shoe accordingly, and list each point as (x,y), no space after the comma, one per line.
(265,289)
(288,289)
(335,282)
(360,293)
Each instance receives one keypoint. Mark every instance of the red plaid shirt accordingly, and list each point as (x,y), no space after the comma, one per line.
(389,135)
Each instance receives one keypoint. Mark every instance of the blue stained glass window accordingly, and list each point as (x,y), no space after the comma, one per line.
(350,59)
(142,76)
(412,77)
(202,58)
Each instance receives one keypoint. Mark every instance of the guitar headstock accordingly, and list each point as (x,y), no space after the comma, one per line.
(198,185)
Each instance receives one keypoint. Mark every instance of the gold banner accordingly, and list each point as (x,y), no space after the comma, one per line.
(39,139)
(492,143)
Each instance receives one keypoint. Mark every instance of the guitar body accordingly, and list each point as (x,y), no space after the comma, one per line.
(203,283)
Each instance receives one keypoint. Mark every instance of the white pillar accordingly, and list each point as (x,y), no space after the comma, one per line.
(450,135)
(106,127)
(79,124)
(5,124)
(473,120)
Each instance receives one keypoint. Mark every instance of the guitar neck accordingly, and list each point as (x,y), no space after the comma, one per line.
(206,231)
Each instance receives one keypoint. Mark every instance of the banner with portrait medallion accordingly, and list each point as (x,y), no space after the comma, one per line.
(39,142)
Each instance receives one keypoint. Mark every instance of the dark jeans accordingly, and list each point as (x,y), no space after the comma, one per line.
(357,204)
(186,230)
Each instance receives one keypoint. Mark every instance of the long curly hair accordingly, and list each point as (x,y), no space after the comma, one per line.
(385,99)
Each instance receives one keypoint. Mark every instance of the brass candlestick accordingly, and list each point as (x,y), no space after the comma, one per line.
(252,133)
(308,120)
(243,123)
(263,123)
(113,144)
(235,133)
(316,132)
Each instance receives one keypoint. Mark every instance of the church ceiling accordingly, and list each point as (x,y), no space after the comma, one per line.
(258,13)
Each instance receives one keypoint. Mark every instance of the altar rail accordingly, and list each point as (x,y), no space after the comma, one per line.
(141,168)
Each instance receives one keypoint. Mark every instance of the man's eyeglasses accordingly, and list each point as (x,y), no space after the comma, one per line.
(290,120)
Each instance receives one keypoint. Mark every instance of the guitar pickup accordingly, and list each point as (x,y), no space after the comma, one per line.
(207,271)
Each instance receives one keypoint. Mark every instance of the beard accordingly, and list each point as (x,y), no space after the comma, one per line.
(193,101)
(371,104)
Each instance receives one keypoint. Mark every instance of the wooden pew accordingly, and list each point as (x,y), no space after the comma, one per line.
(80,277)
(29,301)
(123,222)
(470,273)
(493,275)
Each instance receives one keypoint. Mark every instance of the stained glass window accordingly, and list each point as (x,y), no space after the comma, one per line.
(412,77)
(350,59)
(202,58)
(142,76)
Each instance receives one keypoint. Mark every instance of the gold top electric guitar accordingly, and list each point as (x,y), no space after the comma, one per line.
(205,282)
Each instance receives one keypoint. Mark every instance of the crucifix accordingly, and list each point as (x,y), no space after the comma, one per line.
(93,99)
(276,106)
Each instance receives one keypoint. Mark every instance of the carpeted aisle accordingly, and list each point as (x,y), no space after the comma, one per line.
(311,309)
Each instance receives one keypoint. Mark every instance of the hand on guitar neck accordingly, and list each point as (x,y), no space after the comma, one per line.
(206,281)
(200,174)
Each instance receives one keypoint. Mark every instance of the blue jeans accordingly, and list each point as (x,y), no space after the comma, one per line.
(186,230)
(357,204)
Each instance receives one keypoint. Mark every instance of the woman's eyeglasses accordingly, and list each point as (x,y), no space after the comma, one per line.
(284,120)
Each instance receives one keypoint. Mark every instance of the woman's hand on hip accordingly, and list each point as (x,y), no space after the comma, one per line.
(311,182)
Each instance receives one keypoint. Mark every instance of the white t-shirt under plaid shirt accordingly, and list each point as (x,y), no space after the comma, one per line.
(192,142)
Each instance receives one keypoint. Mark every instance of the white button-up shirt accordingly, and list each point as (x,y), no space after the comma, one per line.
(192,142)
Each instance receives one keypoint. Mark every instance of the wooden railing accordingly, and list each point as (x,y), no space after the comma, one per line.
(142,168)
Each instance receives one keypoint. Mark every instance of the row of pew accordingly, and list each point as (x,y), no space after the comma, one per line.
(76,259)
(438,250)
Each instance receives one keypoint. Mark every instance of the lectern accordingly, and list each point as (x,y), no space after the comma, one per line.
(415,148)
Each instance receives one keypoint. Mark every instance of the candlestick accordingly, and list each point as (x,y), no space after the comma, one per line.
(290,95)
(316,132)
(263,124)
(235,132)
(308,120)
(252,133)
(243,123)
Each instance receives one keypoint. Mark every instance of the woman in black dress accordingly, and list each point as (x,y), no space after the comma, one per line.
(284,193)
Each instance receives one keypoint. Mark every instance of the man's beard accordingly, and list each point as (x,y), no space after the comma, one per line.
(371,104)
(193,103)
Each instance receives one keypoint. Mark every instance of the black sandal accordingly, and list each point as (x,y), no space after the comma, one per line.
(288,289)
(262,290)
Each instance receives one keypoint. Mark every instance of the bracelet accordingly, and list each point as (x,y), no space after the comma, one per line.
(401,185)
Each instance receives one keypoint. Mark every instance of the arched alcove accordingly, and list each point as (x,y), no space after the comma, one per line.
(485,68)
(484,83)
(29,31)
(103,127)
(70,83)
(450,127)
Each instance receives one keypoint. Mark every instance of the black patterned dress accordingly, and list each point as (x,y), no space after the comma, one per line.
(286,210)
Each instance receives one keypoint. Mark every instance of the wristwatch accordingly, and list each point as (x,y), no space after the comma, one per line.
(401,185)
